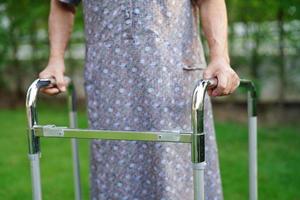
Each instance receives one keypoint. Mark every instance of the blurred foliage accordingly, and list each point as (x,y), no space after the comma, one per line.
(264,42)
(262,10)
(24,42)
(20,22)
(274,24)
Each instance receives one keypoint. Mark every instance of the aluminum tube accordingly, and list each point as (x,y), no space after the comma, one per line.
(72,104)
(63,132)
(35,176)
(252,130)
(76,169)
(198,177)
(75,157)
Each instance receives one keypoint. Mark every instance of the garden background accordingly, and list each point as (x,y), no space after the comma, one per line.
(264,42)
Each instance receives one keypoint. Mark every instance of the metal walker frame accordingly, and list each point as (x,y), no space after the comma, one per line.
(196,138)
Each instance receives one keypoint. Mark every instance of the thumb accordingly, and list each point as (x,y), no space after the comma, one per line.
(60,82)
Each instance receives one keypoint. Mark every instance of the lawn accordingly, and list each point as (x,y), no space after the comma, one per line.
(279,159)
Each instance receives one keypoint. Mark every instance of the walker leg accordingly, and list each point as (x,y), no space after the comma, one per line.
(252,129)
(198,175)
(198,138)
(252,159)
(35,176)
(74,143)
(76,169)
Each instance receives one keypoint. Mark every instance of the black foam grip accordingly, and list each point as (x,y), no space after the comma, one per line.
(70,2)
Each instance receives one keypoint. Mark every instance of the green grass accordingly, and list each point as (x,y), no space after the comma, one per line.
(279,159)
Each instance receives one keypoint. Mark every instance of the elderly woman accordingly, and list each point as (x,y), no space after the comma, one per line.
(143,59)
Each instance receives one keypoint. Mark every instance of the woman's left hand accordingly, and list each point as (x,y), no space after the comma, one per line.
(228,80)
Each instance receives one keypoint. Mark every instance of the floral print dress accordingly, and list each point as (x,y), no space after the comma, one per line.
(143,59)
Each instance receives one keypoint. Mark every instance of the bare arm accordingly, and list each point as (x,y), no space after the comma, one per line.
(60,24)
(214,24)
(61,19)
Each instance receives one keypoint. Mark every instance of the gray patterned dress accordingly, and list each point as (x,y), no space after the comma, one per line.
(143,59)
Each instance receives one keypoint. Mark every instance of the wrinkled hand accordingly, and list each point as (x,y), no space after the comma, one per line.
(55,69)
(228,80)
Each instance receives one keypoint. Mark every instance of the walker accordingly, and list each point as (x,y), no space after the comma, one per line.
(196,138)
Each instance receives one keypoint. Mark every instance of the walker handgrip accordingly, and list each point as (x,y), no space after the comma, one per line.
(50,82)
(212,83)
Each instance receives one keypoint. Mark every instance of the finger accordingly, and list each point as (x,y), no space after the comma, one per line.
(222,85)
(230,85)
(209,92)
(50,91)
(60,82)
(236,83)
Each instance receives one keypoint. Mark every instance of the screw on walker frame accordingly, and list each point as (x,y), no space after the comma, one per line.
(196,137)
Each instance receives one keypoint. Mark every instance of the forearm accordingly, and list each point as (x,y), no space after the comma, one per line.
(61,20)
(214,25)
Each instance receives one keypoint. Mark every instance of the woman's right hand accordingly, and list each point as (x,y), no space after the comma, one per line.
(55,69)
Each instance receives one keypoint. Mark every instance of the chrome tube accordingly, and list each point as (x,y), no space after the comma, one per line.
(32,92)
(33,140)
(198,144)
(198,136)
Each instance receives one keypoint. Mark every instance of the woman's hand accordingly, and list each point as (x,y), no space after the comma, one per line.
(228,80)
(55,69)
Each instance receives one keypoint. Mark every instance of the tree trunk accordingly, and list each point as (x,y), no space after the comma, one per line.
(281,62)
(15,68)
(18,73)
(254,54)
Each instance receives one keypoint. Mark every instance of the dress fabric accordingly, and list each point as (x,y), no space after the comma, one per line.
(143,59)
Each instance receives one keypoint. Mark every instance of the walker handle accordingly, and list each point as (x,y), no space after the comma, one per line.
(51,82)
(212,83)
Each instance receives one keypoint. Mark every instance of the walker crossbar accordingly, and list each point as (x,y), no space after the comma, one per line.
(163,136)
(196,138)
